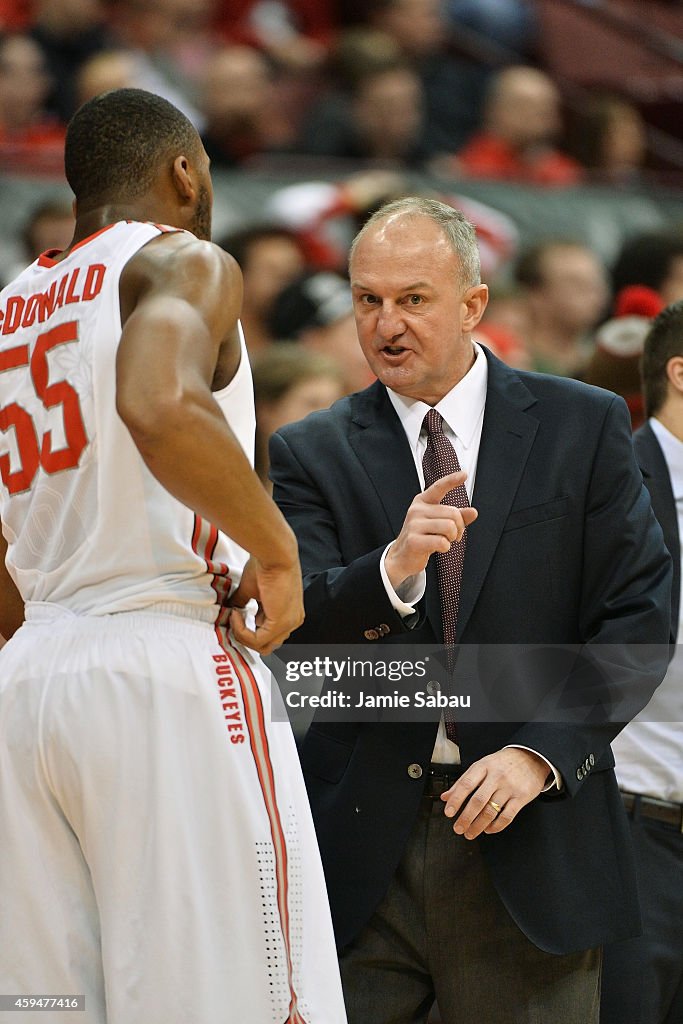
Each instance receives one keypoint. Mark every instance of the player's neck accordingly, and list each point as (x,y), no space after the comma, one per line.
(92,221)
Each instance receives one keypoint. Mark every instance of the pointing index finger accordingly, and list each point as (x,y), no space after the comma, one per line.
(440,488)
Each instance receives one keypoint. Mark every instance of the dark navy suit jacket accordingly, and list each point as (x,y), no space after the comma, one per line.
(565,551)
(658,482)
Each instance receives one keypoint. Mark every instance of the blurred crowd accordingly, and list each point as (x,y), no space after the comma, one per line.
(381,89)
(386,80)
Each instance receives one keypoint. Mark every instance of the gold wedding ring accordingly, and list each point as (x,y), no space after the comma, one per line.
(497,808)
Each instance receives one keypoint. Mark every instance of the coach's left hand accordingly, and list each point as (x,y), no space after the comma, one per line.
(507,779)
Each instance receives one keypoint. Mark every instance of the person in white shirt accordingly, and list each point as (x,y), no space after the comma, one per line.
(643,977)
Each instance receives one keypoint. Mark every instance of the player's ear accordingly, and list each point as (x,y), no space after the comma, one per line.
(183,178)
(475,301)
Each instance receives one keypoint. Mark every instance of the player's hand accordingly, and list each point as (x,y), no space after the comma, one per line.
(511,778)
(279,594)
(429,526)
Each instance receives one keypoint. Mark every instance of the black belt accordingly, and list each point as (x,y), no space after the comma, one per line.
(665,811)
(441,777)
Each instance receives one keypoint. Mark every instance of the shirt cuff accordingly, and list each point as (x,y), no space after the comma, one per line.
(556,781)
(409,593)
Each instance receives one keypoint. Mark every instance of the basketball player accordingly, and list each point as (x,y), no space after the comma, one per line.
(157,855)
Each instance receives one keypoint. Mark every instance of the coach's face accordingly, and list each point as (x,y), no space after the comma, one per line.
(414,317)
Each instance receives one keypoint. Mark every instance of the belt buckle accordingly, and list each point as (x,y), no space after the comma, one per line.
(434,789)
(448,778)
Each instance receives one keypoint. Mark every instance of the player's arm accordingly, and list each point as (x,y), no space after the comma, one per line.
(180,300)
(11,604)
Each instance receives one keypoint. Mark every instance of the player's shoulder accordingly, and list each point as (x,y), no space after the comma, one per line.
(177,262)
(181,250)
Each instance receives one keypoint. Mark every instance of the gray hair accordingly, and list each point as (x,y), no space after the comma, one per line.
(459,233)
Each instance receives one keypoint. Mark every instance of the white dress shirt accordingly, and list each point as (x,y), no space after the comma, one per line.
(649,751)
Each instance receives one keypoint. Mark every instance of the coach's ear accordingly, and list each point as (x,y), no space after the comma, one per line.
(474,302)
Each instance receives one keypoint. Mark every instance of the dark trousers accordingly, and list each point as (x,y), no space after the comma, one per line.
(643,977)
(442,932)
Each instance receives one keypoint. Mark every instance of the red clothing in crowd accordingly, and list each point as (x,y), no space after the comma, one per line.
(486,156)
(14,14)
(38,149)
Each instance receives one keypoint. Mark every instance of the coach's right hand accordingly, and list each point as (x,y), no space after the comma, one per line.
(278,592)
(429,526)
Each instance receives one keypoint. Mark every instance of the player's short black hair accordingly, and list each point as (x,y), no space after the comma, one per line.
(116,142)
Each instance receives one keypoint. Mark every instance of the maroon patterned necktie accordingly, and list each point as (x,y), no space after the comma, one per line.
(440,460)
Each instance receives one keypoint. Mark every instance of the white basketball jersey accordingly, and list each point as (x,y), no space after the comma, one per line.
(88,526)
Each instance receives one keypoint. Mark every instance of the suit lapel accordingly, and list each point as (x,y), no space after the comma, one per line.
(507,436)
(379,441)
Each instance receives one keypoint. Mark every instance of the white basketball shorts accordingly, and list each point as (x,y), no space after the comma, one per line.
(157,854)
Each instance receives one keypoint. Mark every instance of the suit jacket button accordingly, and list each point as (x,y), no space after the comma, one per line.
(580,774)
(433,686)
(415,771)
(587,765)
(371,634)
(384,629)
(591,759)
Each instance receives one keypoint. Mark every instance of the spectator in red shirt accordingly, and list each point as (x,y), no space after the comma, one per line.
(521,123)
